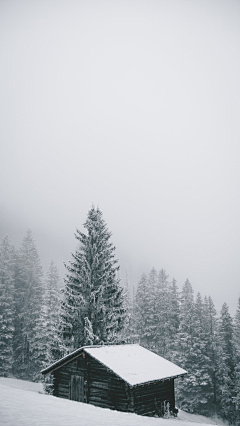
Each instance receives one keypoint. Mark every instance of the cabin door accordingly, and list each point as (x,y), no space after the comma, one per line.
(77,388)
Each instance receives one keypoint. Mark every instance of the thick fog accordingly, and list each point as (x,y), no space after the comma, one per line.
(133,106)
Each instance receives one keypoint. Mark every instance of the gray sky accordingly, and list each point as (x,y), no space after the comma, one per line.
(133,106)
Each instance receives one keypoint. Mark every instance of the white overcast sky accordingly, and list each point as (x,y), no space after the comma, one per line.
(134,106)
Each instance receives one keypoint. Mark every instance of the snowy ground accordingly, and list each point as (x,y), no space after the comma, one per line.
(23,403)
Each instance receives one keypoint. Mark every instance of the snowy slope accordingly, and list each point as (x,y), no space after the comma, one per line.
(22,405)
(22,384)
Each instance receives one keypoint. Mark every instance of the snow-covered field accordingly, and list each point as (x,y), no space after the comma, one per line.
(23,403)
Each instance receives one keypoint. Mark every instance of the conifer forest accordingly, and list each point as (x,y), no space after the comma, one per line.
(42,318)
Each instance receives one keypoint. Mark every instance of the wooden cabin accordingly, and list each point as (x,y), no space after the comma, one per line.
(121,377)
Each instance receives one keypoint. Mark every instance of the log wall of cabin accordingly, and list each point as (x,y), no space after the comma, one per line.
(149,398)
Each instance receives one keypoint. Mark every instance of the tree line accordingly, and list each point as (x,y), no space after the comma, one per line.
(41,322)
(42,319)
(29,308)
(188,331)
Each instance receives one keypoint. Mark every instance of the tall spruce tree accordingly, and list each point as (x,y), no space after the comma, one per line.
(183,353)
(152,330)
(162,296)
(236,342)
(173,318)
(92,310)
(225,371)
(51,313)
(146,310)
(141,301)
(196,352)
(129,333)
(127,306)
(28,307)
(201,394)
(157,312)
(6,306)
(211,335)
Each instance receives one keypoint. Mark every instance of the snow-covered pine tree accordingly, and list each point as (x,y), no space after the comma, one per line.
(183,347)
(211,327)
(201,387)
(51,313)
(162,297)
(196,352)
(173,317)
(132,324)
(146,312)
(128,333)
(92,309)
(6,306)
(157,312)
(152,329)
(28,304)
(141,300)
(236,334)
(127,306)
(46,330)
(236,343)
(39,347)
(225,371)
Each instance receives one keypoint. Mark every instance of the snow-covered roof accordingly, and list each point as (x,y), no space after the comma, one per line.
(133,363)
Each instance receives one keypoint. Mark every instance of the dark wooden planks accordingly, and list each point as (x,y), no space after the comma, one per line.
(76,386)
(149,398)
